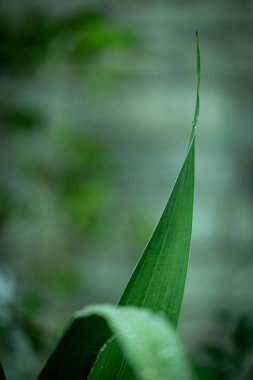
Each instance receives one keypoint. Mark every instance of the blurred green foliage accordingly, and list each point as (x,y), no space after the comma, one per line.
(71,166)
(231,356)
(28,38)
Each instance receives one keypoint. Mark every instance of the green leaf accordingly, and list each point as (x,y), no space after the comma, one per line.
(2,375)
(159,278)
(149,342)
(158,281)
(157,284)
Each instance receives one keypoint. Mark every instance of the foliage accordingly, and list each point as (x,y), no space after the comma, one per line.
(157,284)
(231,356)
(75,177)
(105,341)
(27,42)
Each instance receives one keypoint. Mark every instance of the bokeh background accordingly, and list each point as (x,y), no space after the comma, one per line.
(96,104)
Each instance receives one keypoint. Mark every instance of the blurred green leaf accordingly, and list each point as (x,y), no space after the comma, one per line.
(36,336)
(98,36)
(32,302)
(26,41)
(85,204)
(230,357)
(6,203)
(150,344)
(15,118)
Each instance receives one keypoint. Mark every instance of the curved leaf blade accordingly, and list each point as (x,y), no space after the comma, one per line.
(149,342)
